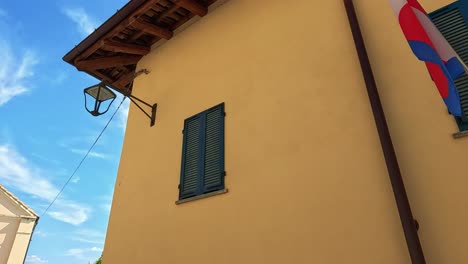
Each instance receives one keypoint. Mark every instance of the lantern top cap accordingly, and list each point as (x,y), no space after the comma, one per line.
(100,92)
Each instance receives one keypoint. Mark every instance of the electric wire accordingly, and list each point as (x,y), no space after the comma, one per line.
(84,158)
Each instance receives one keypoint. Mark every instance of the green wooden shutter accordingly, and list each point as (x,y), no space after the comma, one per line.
(203,153)
(214,150)
(451,23)
(191,158)
(462,86)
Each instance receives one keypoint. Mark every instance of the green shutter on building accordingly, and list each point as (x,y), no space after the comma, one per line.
(451,23)
(203,153)
(214,148)
(191,157)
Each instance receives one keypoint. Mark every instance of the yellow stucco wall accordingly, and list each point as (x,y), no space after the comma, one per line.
(433,164)
(305,172)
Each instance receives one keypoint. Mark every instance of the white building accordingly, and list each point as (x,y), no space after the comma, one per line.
(17,223)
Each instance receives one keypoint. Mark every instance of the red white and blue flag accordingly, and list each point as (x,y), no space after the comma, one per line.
(430,46)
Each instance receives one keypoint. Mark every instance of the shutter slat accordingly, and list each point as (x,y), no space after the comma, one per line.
(439,16)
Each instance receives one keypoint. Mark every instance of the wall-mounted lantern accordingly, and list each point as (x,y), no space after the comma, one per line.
(103,94)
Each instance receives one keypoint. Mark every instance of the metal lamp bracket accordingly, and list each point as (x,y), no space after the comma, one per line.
(153,107)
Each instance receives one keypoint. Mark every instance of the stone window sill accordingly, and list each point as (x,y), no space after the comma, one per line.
(460,134)
(198,197)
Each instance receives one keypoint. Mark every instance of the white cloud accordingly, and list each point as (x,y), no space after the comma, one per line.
(106,207)
(89,236)
(16,172)
(41,233)
(33,259)
(23,71)
(46,159)
(93,154)
(84,253)
(75,252)
(85,138)
(75,179)
(15,72)
(69,212)
(59,78)
(122,116)
(96,249)
(106,202)
(85,23)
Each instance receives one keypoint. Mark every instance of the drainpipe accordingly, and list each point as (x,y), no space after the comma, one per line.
(408,223)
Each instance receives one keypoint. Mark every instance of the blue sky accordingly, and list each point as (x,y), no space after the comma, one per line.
(45,131)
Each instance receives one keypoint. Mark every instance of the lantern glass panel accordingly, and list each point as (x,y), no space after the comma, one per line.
(104,92)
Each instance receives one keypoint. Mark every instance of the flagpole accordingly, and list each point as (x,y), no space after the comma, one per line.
(408,223)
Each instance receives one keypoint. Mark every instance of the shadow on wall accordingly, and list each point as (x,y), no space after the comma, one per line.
(3,233)
(7,236)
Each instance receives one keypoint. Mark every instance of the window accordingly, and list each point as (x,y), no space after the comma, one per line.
(202,169)
(452,21)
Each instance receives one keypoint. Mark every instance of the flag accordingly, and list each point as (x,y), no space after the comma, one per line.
(428,44)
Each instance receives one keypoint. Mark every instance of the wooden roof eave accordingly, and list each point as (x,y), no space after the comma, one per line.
(111,54)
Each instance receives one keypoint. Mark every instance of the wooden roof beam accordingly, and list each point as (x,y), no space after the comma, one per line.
(107,62)
(127,22)
(110,81)
(153,29)
(115,46)
(103,77)
(193,6)
(166,13)
(125,79)
(136,36)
